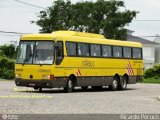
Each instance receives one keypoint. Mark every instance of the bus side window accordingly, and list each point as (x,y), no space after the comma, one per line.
(71,48)
(80,49)
(127,52)
(117,51)
(59,52)
(83,49)
(137,53)
(106,51)
(95,50)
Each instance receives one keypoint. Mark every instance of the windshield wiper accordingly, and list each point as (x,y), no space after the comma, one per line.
(23,62)
(40,63)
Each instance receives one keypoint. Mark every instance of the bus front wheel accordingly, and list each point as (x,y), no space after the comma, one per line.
(114,85)
(69,86)
(40,89)
(84,87)
(35,88)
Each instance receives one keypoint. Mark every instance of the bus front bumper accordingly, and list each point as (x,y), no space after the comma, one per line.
(41,83)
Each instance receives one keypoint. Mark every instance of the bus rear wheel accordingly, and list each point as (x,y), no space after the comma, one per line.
(40,89)
(84,87)
(37,88)
(69,86)
(114,85)
(123,83)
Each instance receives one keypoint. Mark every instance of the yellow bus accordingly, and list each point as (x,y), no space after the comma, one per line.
(69,59)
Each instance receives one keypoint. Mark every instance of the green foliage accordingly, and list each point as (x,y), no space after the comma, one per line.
(7,68)
(2,53)
(8,74)
(151,80)
(153,72)
(7,61)
(104,17)
(8,51)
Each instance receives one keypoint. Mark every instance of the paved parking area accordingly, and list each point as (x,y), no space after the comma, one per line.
(138,98)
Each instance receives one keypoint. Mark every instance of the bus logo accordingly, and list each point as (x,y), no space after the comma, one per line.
(129,69)
(87,63)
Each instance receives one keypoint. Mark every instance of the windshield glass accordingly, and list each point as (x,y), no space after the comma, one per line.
(36,53)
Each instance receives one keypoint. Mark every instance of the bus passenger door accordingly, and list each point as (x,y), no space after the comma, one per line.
(59,52)
(59,70)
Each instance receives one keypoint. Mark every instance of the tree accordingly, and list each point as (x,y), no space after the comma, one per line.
(104,17)
(8,51)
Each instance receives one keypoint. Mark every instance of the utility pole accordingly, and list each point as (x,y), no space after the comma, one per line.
(12,42)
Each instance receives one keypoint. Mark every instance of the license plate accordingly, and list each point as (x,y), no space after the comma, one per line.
(32,84)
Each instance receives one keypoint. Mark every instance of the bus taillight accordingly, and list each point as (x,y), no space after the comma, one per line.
(51,76)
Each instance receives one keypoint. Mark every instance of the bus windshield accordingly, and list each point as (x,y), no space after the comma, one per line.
(36,52)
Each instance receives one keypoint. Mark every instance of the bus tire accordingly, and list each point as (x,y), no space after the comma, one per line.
(40,89)
(84,87)
(114,85)
(96,87)
(69,86)
(35,88)
(123,83)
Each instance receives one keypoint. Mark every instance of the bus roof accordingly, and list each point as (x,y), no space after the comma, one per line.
(77,37)
(60,33)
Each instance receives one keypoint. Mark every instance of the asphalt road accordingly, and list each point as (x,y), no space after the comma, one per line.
(138,98)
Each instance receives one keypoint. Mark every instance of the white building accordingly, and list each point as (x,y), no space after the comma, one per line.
(157,51)
(148,49)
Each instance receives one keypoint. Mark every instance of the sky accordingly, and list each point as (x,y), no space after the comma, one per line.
(16,17)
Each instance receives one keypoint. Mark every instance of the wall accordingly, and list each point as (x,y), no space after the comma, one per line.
(148,55)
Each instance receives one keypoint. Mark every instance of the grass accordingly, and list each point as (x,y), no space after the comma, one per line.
(151,80)
(5,80)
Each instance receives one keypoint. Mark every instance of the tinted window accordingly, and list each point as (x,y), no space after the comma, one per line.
(71,48)
(95,50)
(59,49)
(127,52)
(137,53)
(38,52)
(106,51)
(59,52)
(26,52)
(83,49)
(117,51)
(44,53)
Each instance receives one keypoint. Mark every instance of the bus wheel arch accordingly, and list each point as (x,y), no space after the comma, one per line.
(73,78)
(117,75)
(126,76)
(71,83)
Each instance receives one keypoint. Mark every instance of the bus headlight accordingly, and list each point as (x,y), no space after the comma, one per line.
(44,77)
(47,77)
(18,75)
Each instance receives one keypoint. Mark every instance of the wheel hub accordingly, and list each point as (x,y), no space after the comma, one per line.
(115,83)
(70,84)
